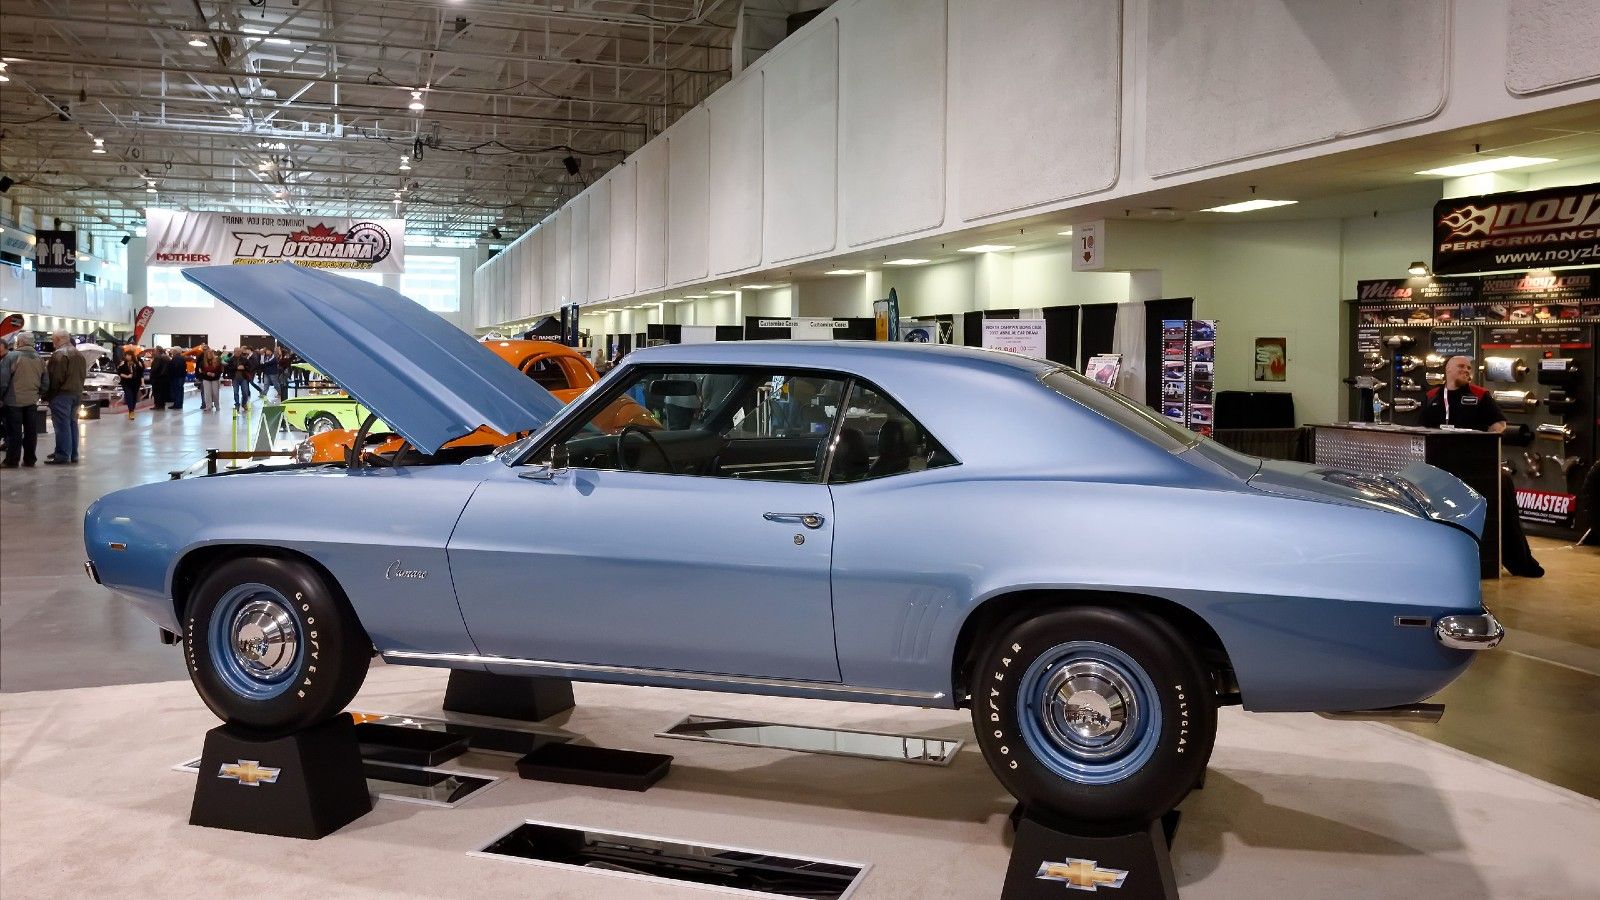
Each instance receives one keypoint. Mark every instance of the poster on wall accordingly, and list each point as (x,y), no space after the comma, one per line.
(1543,229)
(1104,369)
(1024,336)
(55,259)
(1272,359)
(324,242)
(920,331)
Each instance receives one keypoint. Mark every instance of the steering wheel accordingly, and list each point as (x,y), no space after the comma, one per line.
(634,428)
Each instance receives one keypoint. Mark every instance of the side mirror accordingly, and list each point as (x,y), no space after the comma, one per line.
(550,468)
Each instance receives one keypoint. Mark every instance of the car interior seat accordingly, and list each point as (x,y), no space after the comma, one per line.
(894,449)
(850,459)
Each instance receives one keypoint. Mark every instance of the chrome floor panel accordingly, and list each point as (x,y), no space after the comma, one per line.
(809,739)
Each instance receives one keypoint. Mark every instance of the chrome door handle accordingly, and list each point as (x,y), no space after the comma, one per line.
(809,520)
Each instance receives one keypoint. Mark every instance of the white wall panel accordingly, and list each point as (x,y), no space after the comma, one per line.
(799,144)
(688,198)
(1055,65)
(1285,74)
(1551,43)
(735,188)
(599,257)
(624,233)
(549,289)
(891,114)
(520,299)
(578,241)
(650,217)
(558,253)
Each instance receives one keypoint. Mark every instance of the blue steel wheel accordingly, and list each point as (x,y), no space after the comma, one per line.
(1089,712)
(273,647)
(255,641)
(1098,717)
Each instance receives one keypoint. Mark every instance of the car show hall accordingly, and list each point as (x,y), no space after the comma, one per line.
(800,448)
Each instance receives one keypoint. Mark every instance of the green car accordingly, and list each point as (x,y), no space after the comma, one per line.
(317,413)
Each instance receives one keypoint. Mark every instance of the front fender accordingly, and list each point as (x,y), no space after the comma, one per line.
(364,528)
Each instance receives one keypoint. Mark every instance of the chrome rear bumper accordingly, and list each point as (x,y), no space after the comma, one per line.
(1469,632)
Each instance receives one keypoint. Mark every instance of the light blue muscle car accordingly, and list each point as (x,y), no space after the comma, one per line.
(886,523)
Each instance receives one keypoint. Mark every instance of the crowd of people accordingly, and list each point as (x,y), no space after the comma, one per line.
(58,381)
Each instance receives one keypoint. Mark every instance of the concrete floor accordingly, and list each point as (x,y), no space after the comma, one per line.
(1533,706)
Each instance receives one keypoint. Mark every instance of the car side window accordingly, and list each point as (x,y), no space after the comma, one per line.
(746,423)
(878,438)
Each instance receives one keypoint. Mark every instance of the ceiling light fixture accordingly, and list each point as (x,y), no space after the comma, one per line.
(1249,206)
(696,296)
(405,166)
(1419,269)
(99,145)
(908,261)
(1484,166)
(150,190)
(416,102)
(197,41)
(755,287)
(988,248)
(3,77)
(724,293)
(235,112)
(847,272)
(1067,233)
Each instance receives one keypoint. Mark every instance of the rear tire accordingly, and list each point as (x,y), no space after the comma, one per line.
(271,646)
(1098,716)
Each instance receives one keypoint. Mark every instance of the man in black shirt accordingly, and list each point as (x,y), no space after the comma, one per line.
(1461,404)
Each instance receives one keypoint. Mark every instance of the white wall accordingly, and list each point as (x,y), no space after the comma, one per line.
(887,120)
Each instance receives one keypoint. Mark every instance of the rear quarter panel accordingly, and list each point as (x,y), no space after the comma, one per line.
(1302,594)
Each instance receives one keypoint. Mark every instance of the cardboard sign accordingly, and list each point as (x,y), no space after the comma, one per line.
(1024,336)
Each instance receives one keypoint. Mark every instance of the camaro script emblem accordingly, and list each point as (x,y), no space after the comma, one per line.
(396,570)
(249,772)
(1081,875)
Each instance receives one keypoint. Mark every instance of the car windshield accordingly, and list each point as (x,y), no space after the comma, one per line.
(1141,420)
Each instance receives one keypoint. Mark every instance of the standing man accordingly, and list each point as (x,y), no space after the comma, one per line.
(1459,403)
(267,366)
(177,376)
(241,368)
(22,383)
(67,368)
(160,383)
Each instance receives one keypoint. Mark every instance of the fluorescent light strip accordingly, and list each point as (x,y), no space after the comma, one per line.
(724,293)
(756,287)
(1250,206)
(847,272)
(988,248)
(1484,166)
(908,261)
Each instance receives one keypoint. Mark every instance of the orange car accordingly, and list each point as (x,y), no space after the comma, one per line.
(559,369)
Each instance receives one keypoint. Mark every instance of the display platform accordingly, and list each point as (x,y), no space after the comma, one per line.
(1294,806)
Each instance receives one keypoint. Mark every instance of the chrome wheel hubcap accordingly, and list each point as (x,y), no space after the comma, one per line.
(264,639)
(1091,709)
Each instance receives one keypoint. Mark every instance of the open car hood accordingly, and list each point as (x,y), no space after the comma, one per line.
(1418,489)
(430,381)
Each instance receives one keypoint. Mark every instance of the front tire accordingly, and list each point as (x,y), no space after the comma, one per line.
(1098,716)
(271,646)
(320,423)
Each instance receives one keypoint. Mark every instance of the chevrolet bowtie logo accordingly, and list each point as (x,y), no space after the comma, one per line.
(249,772)
(1081,875)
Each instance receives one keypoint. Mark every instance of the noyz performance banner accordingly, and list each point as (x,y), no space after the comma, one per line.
(1517,230)
(324,242)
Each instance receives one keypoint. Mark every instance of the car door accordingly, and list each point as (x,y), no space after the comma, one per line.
(705,546)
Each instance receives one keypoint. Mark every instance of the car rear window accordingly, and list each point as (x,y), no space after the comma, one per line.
(1141,420)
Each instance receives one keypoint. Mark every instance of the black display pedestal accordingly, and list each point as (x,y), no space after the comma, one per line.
(1045,859)
(507,696)
(307,785)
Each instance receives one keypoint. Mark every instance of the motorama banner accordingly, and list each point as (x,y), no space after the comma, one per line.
(177,238)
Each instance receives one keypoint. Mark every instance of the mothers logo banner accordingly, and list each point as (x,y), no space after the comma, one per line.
(323,242)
